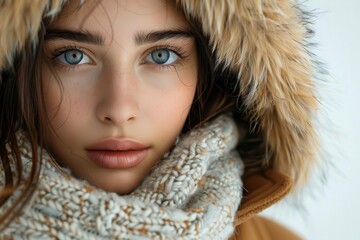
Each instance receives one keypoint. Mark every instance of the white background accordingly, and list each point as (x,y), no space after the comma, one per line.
(334,211)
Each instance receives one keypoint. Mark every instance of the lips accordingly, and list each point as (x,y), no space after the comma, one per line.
(117,153)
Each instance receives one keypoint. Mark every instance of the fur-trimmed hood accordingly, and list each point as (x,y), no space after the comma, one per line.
(262,42)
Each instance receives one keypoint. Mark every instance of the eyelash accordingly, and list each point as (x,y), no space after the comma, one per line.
(177,50)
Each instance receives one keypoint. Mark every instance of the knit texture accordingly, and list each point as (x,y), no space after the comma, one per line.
(192,193)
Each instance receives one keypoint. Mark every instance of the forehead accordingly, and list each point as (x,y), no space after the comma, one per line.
(119,16)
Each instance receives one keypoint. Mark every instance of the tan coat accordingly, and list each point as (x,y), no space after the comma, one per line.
(261,191)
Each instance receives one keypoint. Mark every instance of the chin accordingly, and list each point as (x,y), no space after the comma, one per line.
(119,186)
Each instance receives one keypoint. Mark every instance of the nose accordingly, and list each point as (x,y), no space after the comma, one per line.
(118,103)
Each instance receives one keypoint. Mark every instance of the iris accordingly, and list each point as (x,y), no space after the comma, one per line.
(160,56)
(73,56)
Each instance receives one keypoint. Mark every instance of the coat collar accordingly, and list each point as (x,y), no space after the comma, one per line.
(262,190)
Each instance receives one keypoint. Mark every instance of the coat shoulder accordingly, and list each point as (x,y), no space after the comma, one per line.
(260,228)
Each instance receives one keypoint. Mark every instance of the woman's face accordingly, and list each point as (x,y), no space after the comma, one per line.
(128,71)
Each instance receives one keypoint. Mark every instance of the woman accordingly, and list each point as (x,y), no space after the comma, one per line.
(151,117)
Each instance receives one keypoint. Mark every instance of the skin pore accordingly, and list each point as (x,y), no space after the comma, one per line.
(128,72)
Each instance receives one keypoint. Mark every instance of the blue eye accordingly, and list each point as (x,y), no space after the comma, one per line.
(73,57)
(162,56)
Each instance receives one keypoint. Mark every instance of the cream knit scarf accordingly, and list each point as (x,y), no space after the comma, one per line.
(193,193)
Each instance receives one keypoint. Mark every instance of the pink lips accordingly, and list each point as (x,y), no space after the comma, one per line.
(117,153)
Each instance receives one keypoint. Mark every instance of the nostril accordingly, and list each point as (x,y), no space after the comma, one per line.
(107,119)
(112,120)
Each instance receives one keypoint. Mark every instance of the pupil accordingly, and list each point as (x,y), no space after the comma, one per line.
(73,57)
(160,56)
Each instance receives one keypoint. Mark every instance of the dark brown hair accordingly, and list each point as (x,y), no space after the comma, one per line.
(20,110)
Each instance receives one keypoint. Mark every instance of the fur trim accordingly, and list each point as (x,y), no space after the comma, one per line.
(20,21)
(262,41)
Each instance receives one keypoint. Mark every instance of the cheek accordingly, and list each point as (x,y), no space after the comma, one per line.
(61,104)
(177,105)
(183,97)
(52,93)
(170,107)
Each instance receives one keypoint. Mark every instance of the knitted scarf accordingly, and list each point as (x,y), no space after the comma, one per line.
(192,193)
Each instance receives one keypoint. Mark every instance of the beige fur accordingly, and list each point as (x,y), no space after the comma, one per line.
(262,40)
(19,22)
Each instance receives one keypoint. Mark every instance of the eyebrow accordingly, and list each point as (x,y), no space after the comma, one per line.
(154,36)
(94,38)
(79,36)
